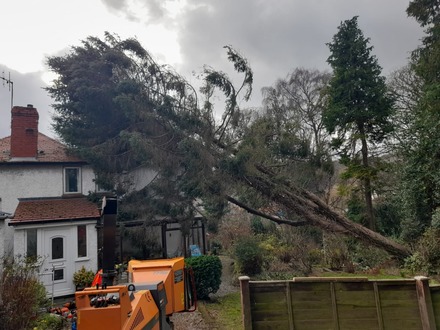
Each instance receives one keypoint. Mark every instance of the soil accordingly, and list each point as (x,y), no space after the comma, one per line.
(204,321)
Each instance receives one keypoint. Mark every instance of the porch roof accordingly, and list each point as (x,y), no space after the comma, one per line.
(54,209)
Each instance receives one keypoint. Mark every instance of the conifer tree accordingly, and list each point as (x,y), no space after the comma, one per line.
(359,106)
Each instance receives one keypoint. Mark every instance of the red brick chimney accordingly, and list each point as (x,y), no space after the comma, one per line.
(24,132)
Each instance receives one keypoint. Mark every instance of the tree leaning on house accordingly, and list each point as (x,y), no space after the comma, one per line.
(359,106)
(160,124)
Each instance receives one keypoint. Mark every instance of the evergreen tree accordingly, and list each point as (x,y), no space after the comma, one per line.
(359,106)
(421,177)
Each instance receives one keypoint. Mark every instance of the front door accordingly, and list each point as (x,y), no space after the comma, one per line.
(57,267)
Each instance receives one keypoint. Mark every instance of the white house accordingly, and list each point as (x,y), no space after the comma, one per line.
(44,210)
(43,206)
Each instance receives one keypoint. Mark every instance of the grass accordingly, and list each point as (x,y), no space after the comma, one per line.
(222,313)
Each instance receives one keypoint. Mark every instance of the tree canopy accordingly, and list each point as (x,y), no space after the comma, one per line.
(421,153)
(120,110)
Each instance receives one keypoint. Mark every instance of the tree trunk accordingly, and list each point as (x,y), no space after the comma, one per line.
(366,180)
(314,210)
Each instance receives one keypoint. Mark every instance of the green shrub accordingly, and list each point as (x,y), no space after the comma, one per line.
(50,322)
(248,256)
(83,277)
(367,257)
(336,253)
(216,247)
(415,264)
(207,274)
(21,293)
(426,258)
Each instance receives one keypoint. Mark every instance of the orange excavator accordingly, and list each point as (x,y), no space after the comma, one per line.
(156,290)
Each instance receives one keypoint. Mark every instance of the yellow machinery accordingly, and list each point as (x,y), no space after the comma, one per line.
(171,272)
(156,289)
(125,311)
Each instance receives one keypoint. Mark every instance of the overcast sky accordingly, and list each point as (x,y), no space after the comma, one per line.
(276,37)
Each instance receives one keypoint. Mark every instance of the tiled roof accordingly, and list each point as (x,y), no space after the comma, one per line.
(59,209)
(49,150)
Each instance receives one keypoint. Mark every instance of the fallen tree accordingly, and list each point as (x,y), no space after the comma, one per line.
(120,111)
(311,208)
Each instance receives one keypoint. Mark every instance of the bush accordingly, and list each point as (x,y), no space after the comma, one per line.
(51,322)
(83,278)
(300,251)
(21,293)
(336,253)
(248,256)
(233,229)
(207,274)
(426,258)
(215,248)
(367,257)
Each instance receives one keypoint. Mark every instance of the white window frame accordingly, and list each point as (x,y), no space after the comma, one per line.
(87,243)
(27,242)
(79,188)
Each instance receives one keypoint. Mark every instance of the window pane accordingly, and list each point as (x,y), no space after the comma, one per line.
(72,179)
(57,248)
(31,242)
(82,241)
(58,274)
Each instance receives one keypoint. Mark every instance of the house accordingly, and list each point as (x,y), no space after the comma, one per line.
(44,210)
(43,206)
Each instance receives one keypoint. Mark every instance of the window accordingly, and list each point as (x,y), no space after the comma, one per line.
(57,248)
(82,241)
(72,182)
(31,242)
(58,274)
(98,186)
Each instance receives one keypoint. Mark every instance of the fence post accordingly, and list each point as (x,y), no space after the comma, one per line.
(245,302)
(425,303)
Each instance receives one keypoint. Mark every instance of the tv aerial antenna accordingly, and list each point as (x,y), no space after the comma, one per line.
(10,83)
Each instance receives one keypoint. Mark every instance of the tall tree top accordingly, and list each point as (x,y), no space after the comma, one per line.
(357,90)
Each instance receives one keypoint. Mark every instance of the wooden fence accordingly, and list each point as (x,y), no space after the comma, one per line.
(340,303)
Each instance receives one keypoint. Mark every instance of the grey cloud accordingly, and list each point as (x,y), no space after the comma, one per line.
(278,36)
(156,10)
(275,36)
(115,4)
(28,89)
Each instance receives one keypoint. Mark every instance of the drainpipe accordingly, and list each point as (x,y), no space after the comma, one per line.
(109,212)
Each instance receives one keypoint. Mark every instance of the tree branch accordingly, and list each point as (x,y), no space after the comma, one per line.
(264,215)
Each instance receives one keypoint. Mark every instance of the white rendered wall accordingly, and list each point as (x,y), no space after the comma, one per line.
(37,181)
(73,263)
(33,181)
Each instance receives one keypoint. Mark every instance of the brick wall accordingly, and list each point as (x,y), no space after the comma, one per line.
(24,131)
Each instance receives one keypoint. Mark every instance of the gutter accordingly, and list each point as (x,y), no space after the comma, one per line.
(4,216)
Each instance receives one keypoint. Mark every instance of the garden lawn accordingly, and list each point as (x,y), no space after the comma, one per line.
(222,312)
